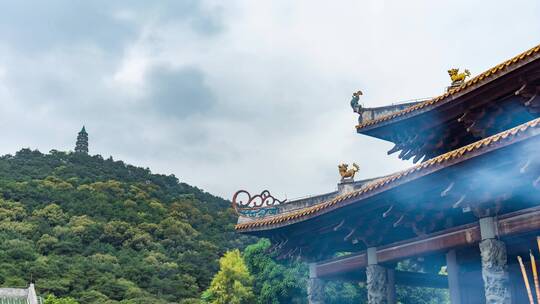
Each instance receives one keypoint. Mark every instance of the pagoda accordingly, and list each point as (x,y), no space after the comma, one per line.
(470,204)
(81,146)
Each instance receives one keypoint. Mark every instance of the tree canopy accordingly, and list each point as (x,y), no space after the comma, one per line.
(102,231)
(232,284)
(275,282)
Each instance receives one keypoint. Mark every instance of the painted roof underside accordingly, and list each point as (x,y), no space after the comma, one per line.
(531,128)
(485,77)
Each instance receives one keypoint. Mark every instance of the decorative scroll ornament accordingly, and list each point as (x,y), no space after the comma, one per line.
(458,78)
(346,173)
(259,205)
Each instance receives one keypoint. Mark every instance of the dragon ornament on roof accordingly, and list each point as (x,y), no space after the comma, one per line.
(457,78)
(257,206)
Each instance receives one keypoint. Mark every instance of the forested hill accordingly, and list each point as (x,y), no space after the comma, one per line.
(102,231)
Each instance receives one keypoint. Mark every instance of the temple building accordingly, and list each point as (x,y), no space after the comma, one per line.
(470,204)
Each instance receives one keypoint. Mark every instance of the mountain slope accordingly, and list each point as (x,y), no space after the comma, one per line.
(102,231)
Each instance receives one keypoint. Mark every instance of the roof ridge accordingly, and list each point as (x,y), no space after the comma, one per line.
(466,84)
(371,186)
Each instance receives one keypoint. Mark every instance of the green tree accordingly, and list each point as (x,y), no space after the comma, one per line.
(52,213)
(51,299)
(232,284)
(421,295)
(275,283)
(337,292)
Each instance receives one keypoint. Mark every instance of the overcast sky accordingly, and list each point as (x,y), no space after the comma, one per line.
(237,94)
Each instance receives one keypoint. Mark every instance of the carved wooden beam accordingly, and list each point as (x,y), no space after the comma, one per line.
(448,189)
(336,228)
(521,89)
(418,157)
(400,140)
(536,183)
(349,235)
(399,221)
(404,152)
(460,201)
(280,244)
(410,154)
(471,119)
(525,166)
(388,211)
(530,95)
(396,148)
(420,145)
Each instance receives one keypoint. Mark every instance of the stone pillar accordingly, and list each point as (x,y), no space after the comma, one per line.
(376,279)
(452,268)
(315,288)
(494,268)
(391,286)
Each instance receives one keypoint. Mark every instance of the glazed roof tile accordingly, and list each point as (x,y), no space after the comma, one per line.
(392,180)
(484,77)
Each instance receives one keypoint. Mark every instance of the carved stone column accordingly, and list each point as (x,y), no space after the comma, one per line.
(376,284)
(494,267)
(315,288)
(315,291)
(377,281)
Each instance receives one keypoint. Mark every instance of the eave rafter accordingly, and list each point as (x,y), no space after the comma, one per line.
(412,145)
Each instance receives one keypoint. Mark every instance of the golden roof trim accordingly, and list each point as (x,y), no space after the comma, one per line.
(391,179)
(483,77)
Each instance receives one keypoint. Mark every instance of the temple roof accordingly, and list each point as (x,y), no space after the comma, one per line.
(20,295)
(497,141)
(470,85)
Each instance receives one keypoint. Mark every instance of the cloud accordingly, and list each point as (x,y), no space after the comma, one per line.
(179,92)
(36,26)
(245,94)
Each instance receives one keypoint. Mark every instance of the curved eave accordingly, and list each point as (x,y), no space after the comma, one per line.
(497,141)
(467,87)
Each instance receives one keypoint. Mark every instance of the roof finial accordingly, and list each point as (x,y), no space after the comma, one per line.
(355,105)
